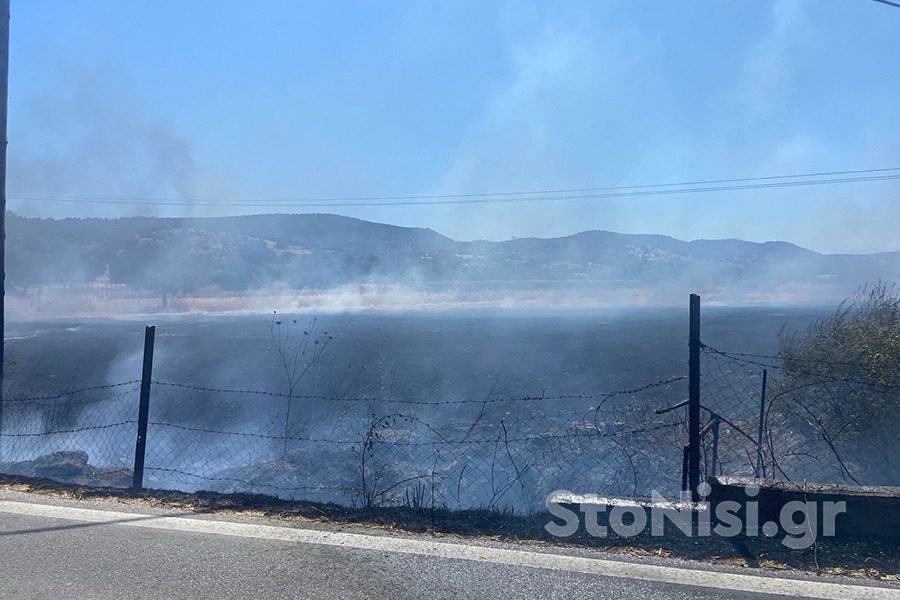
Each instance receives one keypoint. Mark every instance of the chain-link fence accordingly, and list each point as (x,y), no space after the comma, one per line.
(762,416)
(83,436)
(778,419)
(493,452)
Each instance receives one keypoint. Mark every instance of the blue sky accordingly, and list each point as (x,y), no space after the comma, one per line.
(230,101)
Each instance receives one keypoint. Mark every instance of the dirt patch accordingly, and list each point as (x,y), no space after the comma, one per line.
(856,559)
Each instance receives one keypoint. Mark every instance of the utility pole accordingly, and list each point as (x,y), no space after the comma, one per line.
(4,92)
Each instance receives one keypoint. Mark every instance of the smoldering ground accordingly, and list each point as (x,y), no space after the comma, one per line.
(423,377)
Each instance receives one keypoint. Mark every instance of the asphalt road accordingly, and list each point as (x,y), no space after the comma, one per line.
(53,548)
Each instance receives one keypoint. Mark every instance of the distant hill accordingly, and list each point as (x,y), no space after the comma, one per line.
(315,251)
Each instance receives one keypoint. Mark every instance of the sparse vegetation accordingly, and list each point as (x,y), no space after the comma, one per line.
(840,382)
(298,350)
(860,340)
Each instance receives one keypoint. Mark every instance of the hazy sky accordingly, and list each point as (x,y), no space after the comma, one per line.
(230,101)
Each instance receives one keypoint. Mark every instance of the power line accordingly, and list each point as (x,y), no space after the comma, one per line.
(479,194)
(889,3)
(460,199)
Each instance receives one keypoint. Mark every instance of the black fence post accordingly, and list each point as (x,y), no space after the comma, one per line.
(714,463)
(140,446)
(694,399)
(760,467)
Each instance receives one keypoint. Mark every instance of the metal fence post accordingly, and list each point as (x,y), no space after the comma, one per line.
(4,86)
(760,467)
(694,399)
(140,446)
(714,463)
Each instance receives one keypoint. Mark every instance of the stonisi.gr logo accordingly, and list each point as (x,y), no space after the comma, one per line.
(798,522)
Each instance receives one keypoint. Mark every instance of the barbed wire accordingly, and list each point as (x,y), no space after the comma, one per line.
(63,395)
(373,399)
(742,358)
(65,431)
(541,445)
(776,357)
(292,438)
(643,388)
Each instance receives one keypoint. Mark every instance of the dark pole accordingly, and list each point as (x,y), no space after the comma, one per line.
(760,468)
(714,464)
(4,89)
(694,399)
(140,447)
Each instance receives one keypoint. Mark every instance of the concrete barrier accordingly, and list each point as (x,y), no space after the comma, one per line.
(871,512)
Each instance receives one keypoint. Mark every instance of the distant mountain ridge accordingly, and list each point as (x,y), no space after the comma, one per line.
(315,251)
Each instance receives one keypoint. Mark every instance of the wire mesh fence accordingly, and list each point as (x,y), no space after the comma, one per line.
(492,452)
(83,436)
(811,421)
(764,416)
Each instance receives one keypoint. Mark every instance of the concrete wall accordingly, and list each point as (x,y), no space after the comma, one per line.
(871,512)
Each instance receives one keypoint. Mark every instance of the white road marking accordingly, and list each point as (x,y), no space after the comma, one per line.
(518,558)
